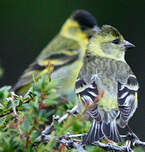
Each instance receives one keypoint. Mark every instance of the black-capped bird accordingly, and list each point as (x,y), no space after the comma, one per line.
(107,85)
(65,52)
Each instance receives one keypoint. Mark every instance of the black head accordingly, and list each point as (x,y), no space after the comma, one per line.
(85,19)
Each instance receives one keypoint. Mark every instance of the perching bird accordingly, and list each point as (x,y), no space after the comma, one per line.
(65,52)
(107,85)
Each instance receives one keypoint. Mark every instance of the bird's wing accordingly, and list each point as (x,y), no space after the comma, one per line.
(67,53)
(127,99)
(87,94)
(60,59)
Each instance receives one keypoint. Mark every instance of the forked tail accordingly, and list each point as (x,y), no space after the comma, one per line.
(102,129)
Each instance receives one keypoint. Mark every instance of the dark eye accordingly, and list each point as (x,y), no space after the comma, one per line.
(116,41)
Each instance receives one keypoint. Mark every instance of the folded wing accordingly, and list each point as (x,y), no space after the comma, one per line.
(127,100)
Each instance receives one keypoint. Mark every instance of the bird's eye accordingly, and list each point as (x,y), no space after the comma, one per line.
(116,41)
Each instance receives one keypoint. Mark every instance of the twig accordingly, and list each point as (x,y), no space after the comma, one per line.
(9,112)
(135,141)
(77,135)
(138,143)
(112,147)
(69,112)
(69,143)
(26,101)
(11,99)
(66,140)
(63,118)
(48,130)
(79,147)
(44,138)
(14,111)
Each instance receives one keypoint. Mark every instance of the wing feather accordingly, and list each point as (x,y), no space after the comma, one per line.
(58,56)
(127,100)
(88,93)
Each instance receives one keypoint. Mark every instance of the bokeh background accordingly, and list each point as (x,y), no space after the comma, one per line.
(26,26)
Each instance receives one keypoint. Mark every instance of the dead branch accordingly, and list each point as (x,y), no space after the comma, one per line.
(14,111)
(70,142)
(112,147)
(48,130)
(135,141)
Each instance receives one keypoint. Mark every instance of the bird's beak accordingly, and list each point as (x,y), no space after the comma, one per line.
(128,45)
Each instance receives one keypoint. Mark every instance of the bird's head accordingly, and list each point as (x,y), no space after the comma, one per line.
(108,42)
(80,25)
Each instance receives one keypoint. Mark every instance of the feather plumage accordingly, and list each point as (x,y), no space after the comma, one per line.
(104,68)
(65,52)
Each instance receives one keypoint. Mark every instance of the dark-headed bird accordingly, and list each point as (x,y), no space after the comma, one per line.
(65,52)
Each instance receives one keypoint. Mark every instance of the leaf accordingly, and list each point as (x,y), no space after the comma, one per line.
(26,125)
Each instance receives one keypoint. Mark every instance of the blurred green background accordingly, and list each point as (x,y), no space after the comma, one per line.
(26,26)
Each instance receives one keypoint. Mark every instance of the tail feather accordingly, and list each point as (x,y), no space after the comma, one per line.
(110,131)
(101,129)
(94,134)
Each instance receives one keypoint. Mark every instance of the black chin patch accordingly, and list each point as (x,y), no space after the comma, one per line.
(84,18)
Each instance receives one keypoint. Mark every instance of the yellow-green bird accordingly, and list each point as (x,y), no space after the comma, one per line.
(106,85)
(65,52)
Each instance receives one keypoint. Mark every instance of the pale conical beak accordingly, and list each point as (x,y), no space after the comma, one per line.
(128,45)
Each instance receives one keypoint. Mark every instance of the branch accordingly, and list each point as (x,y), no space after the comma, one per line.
(69,143)
(66,140)
(15,112)
(135,141)
(13,96)
(69,112)
(48,130)
(112,147)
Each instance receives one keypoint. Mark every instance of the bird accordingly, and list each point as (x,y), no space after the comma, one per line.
(65,52)
(106,86)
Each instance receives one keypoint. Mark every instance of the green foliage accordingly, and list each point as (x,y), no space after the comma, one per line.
(19,132)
